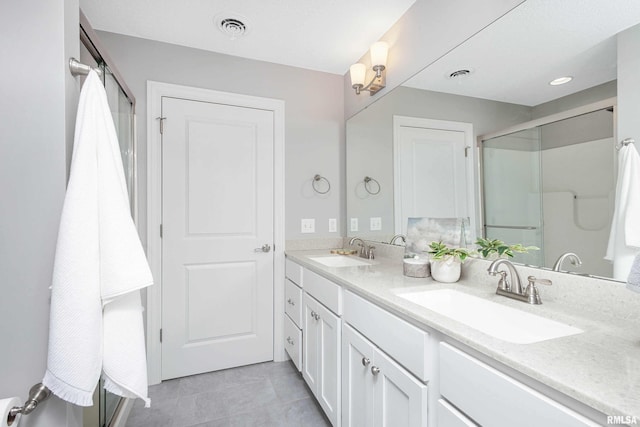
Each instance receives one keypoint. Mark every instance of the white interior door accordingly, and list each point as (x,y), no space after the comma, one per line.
(433,173)
(217,214)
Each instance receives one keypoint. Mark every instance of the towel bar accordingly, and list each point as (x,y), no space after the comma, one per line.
(37,394)
(77,68)
(624,143)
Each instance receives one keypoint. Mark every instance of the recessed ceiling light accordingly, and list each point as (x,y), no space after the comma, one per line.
(560,80)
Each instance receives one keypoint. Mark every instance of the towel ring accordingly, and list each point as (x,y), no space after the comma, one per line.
(317,178)
(624,143)
(367,181)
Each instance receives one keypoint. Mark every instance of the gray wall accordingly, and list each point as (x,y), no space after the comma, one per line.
(37,107)
(578,99)
(314,111)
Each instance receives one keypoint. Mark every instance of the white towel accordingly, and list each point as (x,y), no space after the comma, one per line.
(624,239)
(99,267)
(633,281)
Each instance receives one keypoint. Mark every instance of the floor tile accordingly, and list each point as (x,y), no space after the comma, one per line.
(262,395)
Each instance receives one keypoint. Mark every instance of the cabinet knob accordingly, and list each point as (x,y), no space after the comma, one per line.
(313,314)
(289,340)
(365,361)
(375,370)
(316,316)
(291,302)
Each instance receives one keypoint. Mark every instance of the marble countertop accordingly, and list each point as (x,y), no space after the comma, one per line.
(599,367)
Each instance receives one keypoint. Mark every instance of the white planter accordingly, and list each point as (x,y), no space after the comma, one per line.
(446,270)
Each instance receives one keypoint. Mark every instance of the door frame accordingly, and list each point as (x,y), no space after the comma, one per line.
(470,162)
(155,92)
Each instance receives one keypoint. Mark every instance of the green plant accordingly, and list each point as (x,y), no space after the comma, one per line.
(440,251)
(496,246)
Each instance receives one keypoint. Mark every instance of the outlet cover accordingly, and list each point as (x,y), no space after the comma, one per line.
(375,223)
(333,225)
(308,225)
(354,224)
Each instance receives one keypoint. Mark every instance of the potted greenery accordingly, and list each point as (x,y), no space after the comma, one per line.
(446,262)
(496,248)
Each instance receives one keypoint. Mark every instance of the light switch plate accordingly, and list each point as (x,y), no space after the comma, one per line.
(308,225)
(375,223)
(333,225)
(354,224)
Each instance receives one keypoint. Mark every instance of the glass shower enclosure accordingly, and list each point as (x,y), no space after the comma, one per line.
(552,185)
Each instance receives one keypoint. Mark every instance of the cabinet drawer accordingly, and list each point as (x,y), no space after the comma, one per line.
(293,271)
(293,341)
(399,339)
(293,302)
(448,416)
(481,391)
(324,290)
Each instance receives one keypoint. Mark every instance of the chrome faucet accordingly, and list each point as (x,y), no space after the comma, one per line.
(573,258)
(396,237)
(362,253)
(513,289)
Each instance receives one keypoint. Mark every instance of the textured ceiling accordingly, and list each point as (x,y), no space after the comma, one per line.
(323,35)
(514,59)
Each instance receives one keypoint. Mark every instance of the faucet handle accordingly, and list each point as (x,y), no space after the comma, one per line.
(532,292)
(370,253)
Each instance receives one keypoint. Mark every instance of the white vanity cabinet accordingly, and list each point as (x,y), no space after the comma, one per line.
(489,397)
(321,355)
(293,312)
(314,304)
(376,389)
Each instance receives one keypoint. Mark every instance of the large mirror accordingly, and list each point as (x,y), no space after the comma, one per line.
(497,82)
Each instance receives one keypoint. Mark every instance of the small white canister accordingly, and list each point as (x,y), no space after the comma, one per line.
(416,267)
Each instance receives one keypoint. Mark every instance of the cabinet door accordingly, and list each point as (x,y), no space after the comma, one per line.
(357,379)
(328,391)
(400,400)
(310,350)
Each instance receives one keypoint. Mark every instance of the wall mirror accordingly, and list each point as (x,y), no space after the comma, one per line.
(498,82)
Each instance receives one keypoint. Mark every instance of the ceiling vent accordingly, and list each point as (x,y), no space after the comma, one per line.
(232,25)
(460,73)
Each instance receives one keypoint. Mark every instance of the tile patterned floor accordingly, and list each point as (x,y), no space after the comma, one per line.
(267,394)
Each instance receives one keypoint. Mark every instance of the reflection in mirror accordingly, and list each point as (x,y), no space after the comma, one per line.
(511,63)
(553,186)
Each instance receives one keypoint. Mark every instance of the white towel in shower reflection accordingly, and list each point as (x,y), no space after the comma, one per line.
(624,239)
(99,269)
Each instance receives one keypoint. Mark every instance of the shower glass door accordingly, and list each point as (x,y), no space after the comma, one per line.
(512,191)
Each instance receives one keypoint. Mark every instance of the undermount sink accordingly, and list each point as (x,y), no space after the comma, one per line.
(339,261)
(499,321)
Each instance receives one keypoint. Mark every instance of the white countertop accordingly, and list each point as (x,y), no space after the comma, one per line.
(599,367)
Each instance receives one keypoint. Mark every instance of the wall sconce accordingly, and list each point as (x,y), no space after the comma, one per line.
(358,71)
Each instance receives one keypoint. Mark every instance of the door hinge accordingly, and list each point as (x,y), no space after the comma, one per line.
(466,151)
(162,119)
(160,230)
(160,335)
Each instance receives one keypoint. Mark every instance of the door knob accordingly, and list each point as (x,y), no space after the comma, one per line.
(265,248)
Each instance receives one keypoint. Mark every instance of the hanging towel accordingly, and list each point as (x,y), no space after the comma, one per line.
(624,238)
(99,268)
(633,282)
